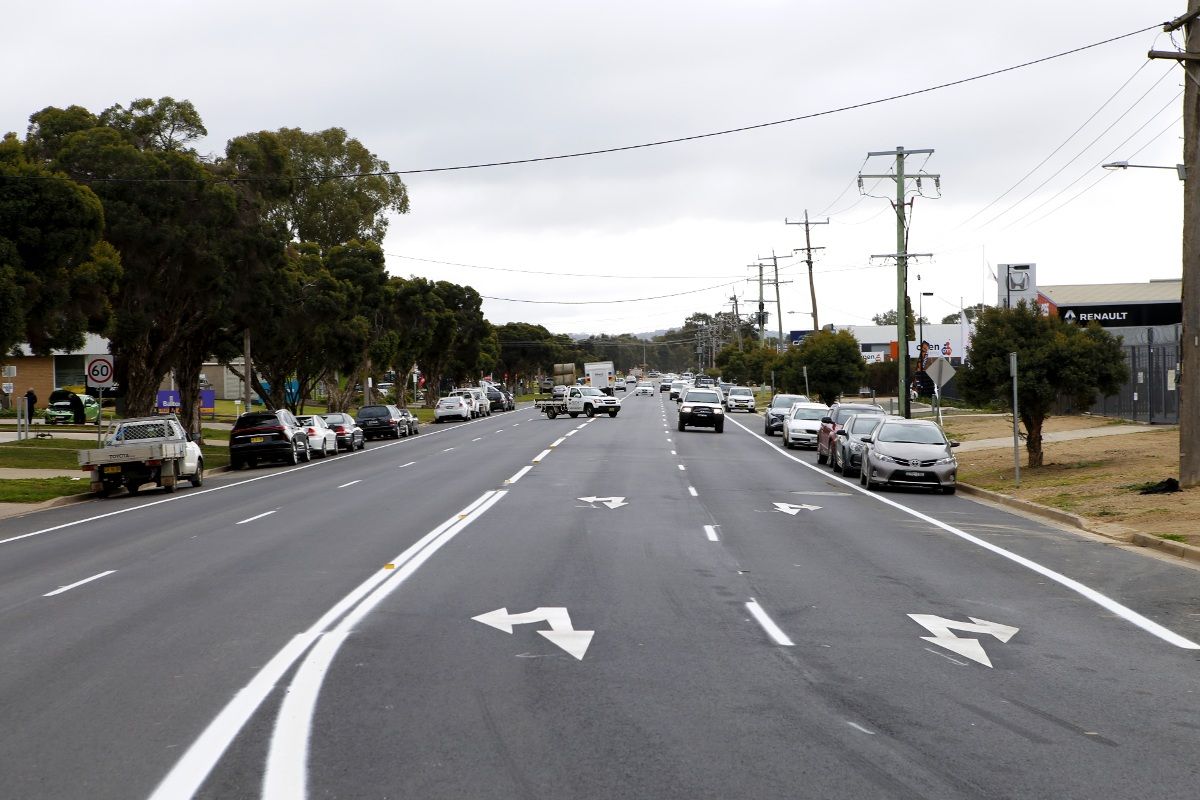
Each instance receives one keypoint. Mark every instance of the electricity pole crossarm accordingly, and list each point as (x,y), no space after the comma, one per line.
(778,300)
(808,248)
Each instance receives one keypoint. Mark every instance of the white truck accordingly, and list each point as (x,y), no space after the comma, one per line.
(601,375)
(144,450)
(586,400)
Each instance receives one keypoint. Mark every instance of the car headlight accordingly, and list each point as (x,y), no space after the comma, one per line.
(886,459)
(685,409)
(719,410)
(946,460)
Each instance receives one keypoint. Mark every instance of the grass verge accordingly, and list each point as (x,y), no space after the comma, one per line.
(37,490)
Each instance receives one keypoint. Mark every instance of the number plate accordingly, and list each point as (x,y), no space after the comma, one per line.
(114,468)
(257,439)
(911,474)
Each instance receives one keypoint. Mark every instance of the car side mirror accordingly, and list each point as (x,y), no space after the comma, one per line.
(955,444)
(826,420)
(843,432)
(866,440)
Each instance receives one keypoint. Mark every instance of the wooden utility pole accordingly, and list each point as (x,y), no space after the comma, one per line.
(1189,378)
(808,248)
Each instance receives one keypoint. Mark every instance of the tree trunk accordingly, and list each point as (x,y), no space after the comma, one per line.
(140,386)
(1033,439)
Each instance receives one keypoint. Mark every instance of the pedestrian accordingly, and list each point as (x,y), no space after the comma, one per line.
(76,408)
(30,401)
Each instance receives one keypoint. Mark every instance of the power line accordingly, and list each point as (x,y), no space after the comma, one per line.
(554,273)
(607,302)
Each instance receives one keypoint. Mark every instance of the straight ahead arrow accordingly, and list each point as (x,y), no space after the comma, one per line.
(794,508)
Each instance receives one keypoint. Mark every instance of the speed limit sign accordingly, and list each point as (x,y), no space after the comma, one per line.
(99,371)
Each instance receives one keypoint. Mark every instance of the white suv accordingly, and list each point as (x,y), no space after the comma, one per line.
(740,398)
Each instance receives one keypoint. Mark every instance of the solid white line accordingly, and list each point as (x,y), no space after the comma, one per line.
(768,624)
(711,532)
(519,473)
(858,727)
(351,483)
(692,491)
(1122,611)
(409,464)
(69,587)
(558,441)
(541,455)
(193,768)
(257,516)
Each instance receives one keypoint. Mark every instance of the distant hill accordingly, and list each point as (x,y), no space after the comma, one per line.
(647,336)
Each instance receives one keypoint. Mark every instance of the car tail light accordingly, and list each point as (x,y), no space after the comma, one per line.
(339,429)
(312,431)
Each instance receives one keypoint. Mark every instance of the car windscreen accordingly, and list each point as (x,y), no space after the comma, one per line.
(701,397)
(372,411)
(255,420)
(911,434)
(740,392)
(590,391)
(864,423)
(336,419)
(809,413)
(785,400)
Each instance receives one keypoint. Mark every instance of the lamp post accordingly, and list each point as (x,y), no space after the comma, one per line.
(1180,169)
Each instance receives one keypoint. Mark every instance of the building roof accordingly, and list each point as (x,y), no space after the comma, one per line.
(93,345)
(1156,291)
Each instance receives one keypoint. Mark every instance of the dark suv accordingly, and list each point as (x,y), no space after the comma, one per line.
(378,422)
(267,436)
(777,410)
(496,399)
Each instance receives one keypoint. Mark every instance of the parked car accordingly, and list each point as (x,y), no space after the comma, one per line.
(740,398)
(349,435)
(909,452)
(322,440)
(838,414)
(778,410)
(381,421)
(702,408)
(480,407)
(61,408)
(801,424)
(411,423)
(510,400)
(558,393)
(267,436)
(848,448)
(496,399)
(455,406)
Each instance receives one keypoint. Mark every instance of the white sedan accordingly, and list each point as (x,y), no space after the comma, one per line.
(322,439)
(645,387)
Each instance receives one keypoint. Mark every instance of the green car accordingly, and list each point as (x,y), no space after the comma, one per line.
(60,411)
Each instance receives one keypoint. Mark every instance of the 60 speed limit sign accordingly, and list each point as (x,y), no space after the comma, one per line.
(99,371)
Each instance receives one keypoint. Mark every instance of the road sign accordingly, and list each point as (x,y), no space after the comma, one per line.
(968,648)
(940,371)
(561,633)
(7,388)
(99,371)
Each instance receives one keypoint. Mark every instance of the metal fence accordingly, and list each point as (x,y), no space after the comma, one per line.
(1151,395)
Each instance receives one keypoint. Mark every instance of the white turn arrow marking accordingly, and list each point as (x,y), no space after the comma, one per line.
(611,502)
(967,648)
(561,633)
(794,508)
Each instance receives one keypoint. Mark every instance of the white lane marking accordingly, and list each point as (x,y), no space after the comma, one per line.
(409,464)
(768,624)
(711,532)
(858,727)
(673,453)
(1122,611)
(519,473)
(668,435)
(448,449)
(476,439)
(571,433)
(286,774)
(692,491)
(192,769)
(500,431)
(682,468)
(581,427)
(351,483)
(515,424)
(540,456)
(558,441)
(256,516)
(71,586)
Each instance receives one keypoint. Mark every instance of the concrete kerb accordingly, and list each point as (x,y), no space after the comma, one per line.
(21,509)
(1106,529)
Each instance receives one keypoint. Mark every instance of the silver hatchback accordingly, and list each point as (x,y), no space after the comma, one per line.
(909,452)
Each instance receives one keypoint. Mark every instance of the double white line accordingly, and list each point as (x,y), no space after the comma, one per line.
(286,774)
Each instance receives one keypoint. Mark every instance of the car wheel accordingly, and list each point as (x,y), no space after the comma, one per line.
(133,489)
(588,411)
(294,458)
(681,425)
(612,412)
(236,463)
(551,413)
(720,427)
(252,462)
(572,414)
(948,489)
(197,477)
(821,457)
(767,430)
(319,453)
(168,488)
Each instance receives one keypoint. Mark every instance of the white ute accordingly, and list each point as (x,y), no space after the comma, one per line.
(586,400)
(144,450)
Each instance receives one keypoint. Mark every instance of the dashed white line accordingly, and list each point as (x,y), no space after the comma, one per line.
(768,624)
(682,468)
(476,439)
(256,516)
(520,473)
(674,453)
(448,449)
(858,727)
(409,464)
(581,427)
(71,586)
(500,431)
(558,441)
(692,491)
(541,455)
(571,433)
(711,532)
(351,483)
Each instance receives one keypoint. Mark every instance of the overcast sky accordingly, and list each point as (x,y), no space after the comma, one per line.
(447,83)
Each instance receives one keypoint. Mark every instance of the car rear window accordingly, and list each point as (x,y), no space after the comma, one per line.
(809,413)
(865,424)
(255,420)
(372,411)
(336,419)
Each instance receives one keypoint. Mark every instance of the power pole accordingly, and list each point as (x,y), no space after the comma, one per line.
(901,263)
(1189,377)
(778,301)
(808,248)
(760,319)
(737,322)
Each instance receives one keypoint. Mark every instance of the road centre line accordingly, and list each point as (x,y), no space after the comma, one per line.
(193,768)
(558,441)
(581,427)
(692,491)
(540,456)
(768,624)
(256,516)
(409,464)
(711,532)
(71,586)
(500,431)
(519,473)
(1122,611)
(351,483)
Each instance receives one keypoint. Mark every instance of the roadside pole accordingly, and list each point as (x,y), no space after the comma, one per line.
(805,367)
(1012,369)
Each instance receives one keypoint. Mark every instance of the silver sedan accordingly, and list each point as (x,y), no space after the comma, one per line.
(909,452)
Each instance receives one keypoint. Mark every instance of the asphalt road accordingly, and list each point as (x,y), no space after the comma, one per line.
(525,608)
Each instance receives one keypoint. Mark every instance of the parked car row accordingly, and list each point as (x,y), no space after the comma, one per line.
(475,401)
(280,436)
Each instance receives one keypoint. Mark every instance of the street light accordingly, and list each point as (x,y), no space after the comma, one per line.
(1180,169)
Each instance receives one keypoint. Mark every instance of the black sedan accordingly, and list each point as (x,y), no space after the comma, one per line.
(349,435)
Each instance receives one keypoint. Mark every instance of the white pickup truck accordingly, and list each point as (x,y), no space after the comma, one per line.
(144,450)
(586,400)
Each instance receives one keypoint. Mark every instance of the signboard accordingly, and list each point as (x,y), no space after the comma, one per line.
(99,371)
(1124,315)
(940,371)
(796,337)
(1014,283)
(7,388)
(168,400)
(875,358)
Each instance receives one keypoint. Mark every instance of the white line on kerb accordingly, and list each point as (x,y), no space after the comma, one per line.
(768,624)
(256,516)
(558,441)
(71,586)
(692,491)
(520,473)
(409,464)
(1122,611)
(540,456)
(351,483)
(711,532)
